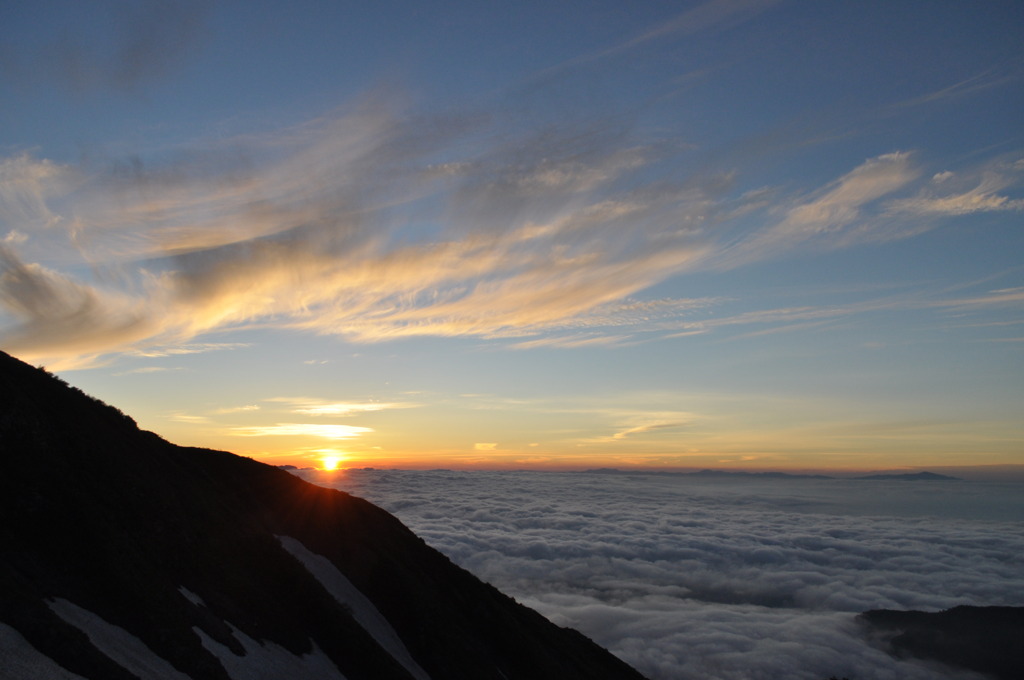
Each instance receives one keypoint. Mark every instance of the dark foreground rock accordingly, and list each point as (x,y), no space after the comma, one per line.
(984,639)
(123,556)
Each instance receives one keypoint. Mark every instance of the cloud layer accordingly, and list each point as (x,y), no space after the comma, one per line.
(374,224)
(722,579)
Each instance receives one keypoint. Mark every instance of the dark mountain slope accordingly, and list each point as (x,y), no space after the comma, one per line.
(168,542)
(983,639)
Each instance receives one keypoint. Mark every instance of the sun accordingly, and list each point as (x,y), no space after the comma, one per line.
(330,462)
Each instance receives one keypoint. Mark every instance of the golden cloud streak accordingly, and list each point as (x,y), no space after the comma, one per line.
(349,226)
(319,407)
(301,430)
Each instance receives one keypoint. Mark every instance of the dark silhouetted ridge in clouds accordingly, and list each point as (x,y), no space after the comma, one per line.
(911,477)
(742,474)
(125,557)
(730,474)
(983,639)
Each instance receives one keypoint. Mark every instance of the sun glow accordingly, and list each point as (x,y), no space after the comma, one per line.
(330,462)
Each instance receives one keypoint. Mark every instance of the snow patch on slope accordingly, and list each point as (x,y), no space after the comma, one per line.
(264,660)
(363,610)
(19,660)
(191,597)
(121,646)
(269,661)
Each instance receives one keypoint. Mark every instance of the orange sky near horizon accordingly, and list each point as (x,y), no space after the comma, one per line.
(755,234)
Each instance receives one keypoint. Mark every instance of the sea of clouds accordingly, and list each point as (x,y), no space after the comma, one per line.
(720,578)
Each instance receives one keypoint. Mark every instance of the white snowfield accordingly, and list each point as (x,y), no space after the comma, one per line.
(19,660)
(265,660)
(364,611)
(117,643)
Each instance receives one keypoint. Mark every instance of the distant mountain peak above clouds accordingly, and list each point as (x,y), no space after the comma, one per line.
(911,477)
(774,474)
(125,557)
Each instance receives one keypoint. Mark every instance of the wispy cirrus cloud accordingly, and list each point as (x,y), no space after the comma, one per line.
(982,81)
(361,225)
(238,409)
(983,197)
(321,407)
(640,429)
(148,369)
(320,229)
(1003,296)
(705,16)
(301,430)
(189,418)
(626,423)
(51,314)
(26,184)
(824,219)
(189,348)
(573,341)
(789,319)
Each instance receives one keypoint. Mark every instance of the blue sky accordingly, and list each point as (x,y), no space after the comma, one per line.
(710,234)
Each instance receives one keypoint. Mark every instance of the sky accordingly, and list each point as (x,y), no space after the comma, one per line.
(761,234)
(724,578)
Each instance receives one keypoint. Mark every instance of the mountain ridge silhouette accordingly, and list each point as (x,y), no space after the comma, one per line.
(180,546)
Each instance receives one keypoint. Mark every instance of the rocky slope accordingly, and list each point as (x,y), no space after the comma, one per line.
(983,639)
(123,556)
